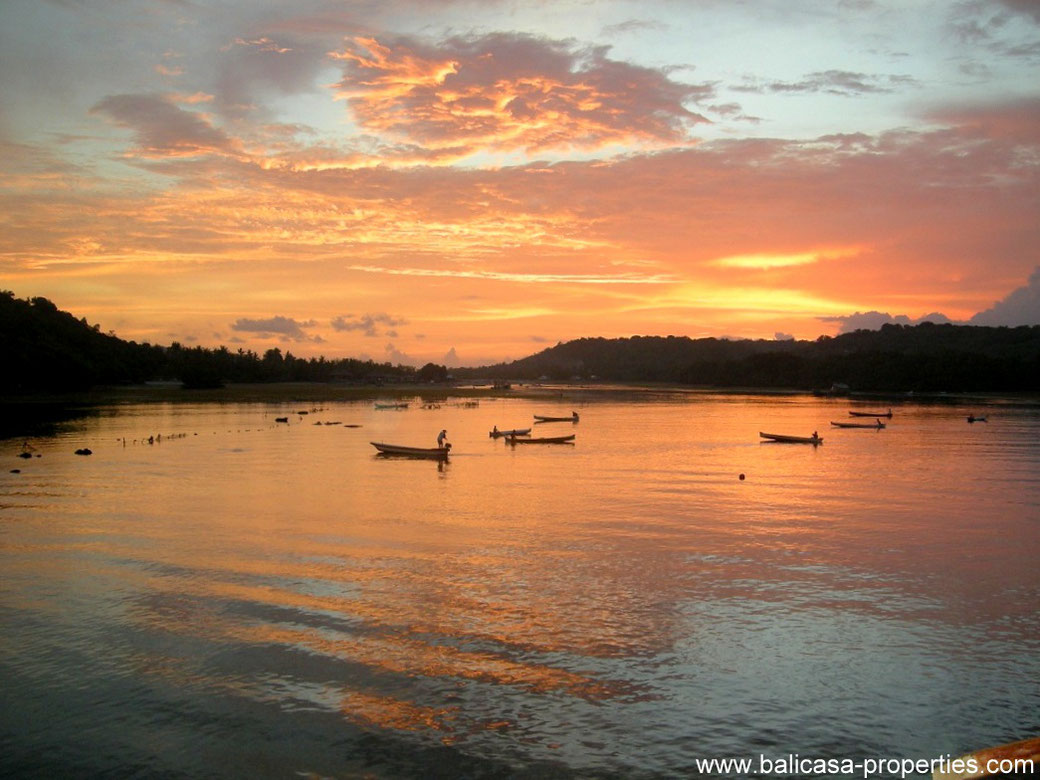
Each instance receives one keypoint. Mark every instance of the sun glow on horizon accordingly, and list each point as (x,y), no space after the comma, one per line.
(767,261)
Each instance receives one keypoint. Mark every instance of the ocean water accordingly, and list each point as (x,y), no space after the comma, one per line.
(215,594)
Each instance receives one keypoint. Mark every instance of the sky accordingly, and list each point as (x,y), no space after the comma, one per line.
(471,182)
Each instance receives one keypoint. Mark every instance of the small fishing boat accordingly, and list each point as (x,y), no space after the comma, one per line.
(973,419)
(437,453)
(542,440)
(877,424)
(871,414)
(543,418)
(514,432)
(391,405)
(779,437)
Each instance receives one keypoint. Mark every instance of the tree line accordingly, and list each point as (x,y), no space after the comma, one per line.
(44,349)
(896,358)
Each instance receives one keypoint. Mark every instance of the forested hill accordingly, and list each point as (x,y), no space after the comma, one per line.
(925,357)
(43,349)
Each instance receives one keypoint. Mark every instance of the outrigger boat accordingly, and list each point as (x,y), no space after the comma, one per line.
(437,453)
(393,405)
(871,414)
(779,437)
(514,432)
(877,424)
(542,418)
(542,440)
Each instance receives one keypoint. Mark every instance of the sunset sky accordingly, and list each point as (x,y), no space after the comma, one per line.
(468,182)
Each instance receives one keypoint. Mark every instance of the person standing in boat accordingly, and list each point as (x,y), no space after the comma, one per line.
(441,437)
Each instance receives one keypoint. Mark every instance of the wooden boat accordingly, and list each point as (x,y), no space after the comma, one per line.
(392,405)
(877,424)
(437,453)
(779,437)
(514,432)
(871,414)
(543,418)
(1015,758)
(542,440)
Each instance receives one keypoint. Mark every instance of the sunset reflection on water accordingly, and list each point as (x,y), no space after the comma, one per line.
(623,604)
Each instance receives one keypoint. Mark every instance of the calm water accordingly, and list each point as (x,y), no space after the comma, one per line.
(243,598)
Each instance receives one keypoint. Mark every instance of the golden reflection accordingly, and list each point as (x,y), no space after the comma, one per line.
(390,713)
(399,654)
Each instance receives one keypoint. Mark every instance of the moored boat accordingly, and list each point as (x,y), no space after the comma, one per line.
(870,414)
(1015,758)
(391,405)
(877,424)
(494,434)
(973,419)
(783,438)
(437,453)
(541,440)
(544,418)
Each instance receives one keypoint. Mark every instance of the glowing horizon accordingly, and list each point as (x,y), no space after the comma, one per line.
(415,182)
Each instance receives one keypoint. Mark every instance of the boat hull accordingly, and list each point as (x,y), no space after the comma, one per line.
(514,432)
(542,440)
(433,453)
(857,425)
(544,418)
(784,439)
(871,414)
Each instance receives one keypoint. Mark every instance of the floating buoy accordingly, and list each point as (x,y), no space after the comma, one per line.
(742,477)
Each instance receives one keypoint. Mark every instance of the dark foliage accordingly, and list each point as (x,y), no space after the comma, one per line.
(926,358)
(43,349)
(431,372)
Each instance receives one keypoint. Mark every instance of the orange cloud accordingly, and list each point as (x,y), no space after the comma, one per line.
(504,92)
(735,237)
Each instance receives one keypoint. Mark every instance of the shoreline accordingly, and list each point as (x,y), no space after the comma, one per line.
(310,392)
